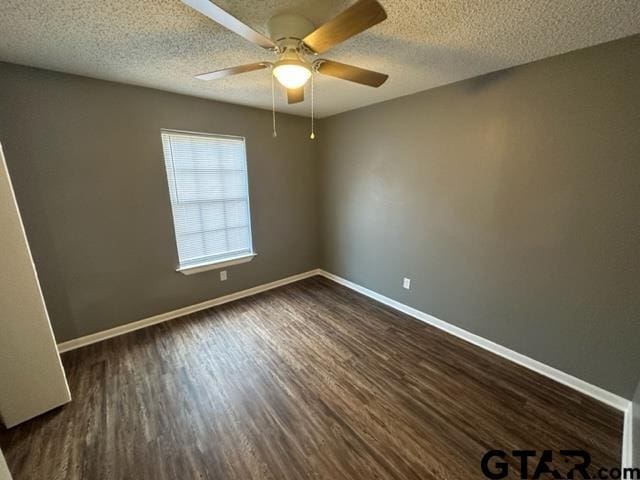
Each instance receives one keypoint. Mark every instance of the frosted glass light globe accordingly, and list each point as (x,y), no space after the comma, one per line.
(291,74)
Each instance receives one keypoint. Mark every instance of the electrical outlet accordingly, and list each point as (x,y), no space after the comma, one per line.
(406,283)
(223,275)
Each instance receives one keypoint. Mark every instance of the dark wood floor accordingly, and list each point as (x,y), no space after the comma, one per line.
(307,381)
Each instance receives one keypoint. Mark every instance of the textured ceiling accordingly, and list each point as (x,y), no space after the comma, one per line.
(423,44)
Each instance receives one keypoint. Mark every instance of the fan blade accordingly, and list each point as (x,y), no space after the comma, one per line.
(217,14)
(351,73)
(355,19)
(232,71)
(295,95)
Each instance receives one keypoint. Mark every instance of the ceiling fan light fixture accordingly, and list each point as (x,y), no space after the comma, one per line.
(291,73)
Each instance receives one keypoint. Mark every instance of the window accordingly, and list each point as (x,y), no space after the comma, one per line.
(208,186)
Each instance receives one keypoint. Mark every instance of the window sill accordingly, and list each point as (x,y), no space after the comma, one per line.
(203,267)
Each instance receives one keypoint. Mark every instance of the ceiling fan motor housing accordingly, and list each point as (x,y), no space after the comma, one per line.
(287,29)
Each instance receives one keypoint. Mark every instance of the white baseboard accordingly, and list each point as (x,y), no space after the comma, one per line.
(593,391)
(627,439)
(180,312)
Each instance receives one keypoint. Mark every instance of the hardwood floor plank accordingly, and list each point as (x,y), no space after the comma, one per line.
(310,380)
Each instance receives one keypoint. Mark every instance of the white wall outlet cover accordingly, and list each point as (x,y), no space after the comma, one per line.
(223,275)
(406,283)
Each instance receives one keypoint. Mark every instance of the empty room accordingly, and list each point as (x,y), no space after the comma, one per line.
(319,239)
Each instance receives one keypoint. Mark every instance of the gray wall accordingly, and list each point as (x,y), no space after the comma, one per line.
(511,200)
(86,160)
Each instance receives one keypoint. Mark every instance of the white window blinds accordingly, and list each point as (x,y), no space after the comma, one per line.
(207,177)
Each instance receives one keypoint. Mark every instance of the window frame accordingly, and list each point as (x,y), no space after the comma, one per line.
(221,262)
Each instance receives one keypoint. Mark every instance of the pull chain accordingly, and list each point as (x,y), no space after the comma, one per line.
(273,105)
(313,134)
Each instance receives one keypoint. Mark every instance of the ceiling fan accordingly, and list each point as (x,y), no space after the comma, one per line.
(293,38)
